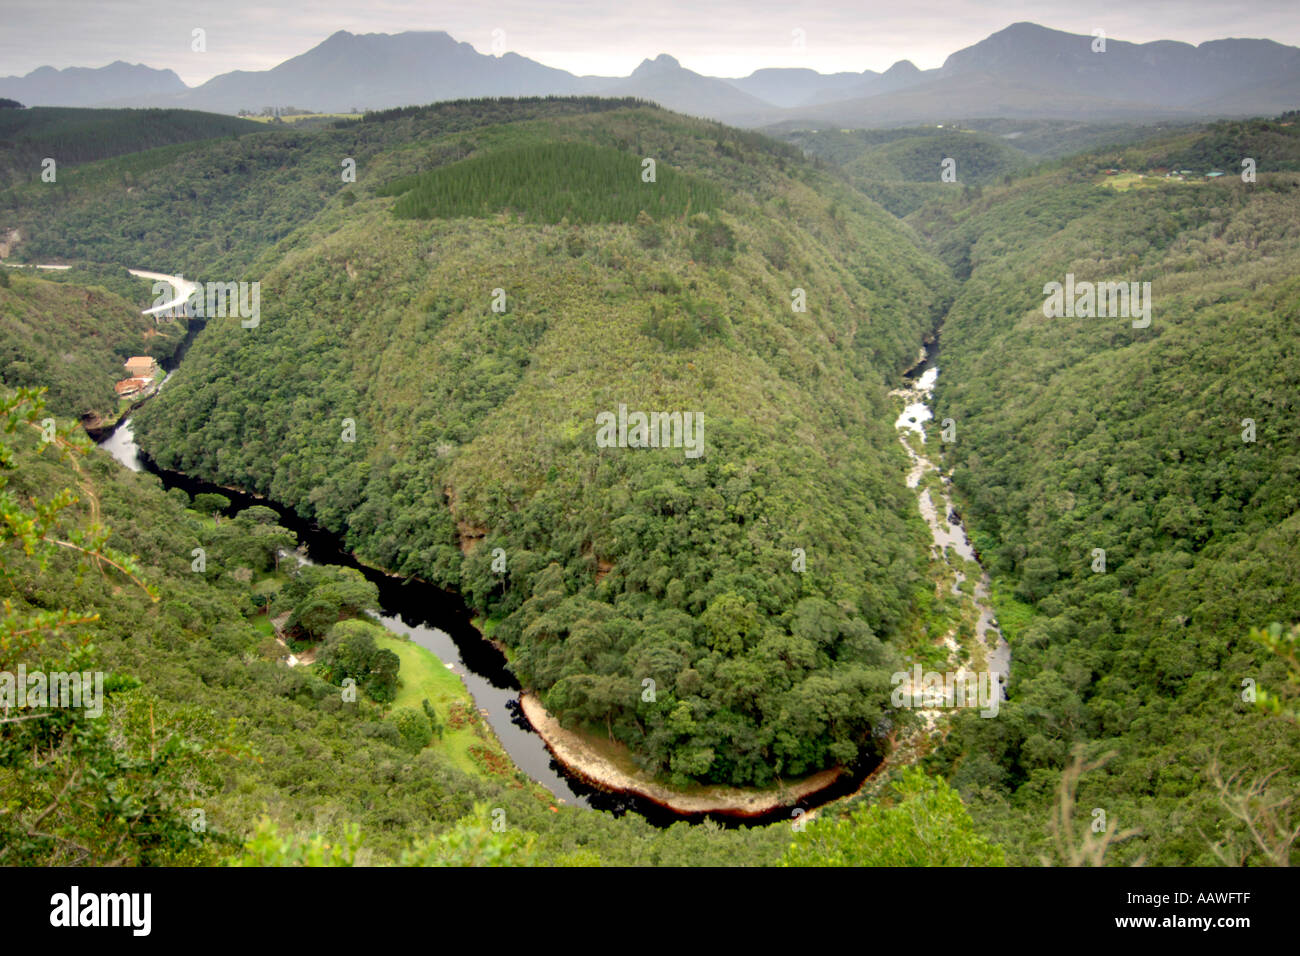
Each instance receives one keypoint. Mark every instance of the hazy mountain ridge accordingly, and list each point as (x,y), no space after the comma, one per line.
(1025,70)
(1030,71)
(108,85)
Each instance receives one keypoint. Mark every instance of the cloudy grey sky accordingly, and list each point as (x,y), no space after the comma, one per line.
(721,38)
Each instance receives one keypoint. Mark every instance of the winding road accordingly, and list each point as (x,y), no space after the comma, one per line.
(182,287)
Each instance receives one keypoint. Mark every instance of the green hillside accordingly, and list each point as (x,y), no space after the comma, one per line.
(1086,433)
(439,342)
(977,158)
(903,168)
(475,430)
(73,136)
(72,335)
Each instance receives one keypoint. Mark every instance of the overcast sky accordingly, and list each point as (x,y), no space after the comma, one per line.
(717,37)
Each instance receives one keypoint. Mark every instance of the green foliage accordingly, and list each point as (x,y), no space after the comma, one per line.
(547,182)
(72,336)
(349,651)
(413,725)
(319,597)
(648,232)
(1284,645)
(713,242)
(209,503)
(1078,434)
(76,136)
(267,847)
(254,539)
(924,823)
(468,843)
(101,783)
(473,843)
(684,321)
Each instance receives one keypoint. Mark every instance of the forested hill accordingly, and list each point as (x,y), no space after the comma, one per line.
(252,191)
(75,136)
(67,332)
(1173,449)
(475,426)
(203,746)
(437,339)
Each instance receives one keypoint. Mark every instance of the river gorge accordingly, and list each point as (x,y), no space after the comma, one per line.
(565,762)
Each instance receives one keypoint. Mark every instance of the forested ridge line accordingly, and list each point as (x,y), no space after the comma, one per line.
(1133,492)
(475,431)
(29,138)
(625,564)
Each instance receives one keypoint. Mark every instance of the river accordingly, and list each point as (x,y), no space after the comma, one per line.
(948,535)
(438,621)
(429,616)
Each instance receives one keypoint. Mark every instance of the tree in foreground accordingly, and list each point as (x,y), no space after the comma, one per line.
(79,788)
(924,823)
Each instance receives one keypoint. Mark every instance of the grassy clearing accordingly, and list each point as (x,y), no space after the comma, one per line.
(1126,181)
(466,740)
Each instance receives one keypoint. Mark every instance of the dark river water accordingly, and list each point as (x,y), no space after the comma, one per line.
(438,621)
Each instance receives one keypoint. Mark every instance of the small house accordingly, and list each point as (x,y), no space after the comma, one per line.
(131,386)
(142,366)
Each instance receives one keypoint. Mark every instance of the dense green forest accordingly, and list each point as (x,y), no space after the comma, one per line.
(73,137)
(437,338)
(1171,448)
(548,182)
(475,430)
(69,333)
(903,168)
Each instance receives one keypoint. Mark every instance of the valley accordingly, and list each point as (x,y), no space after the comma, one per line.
(649,444)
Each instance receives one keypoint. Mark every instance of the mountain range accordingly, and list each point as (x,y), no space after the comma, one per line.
(1023,71)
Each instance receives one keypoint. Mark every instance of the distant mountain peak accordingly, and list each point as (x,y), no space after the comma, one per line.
(660,64)
(902,68)
(119,83)
(1026,27)
(1024,69)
